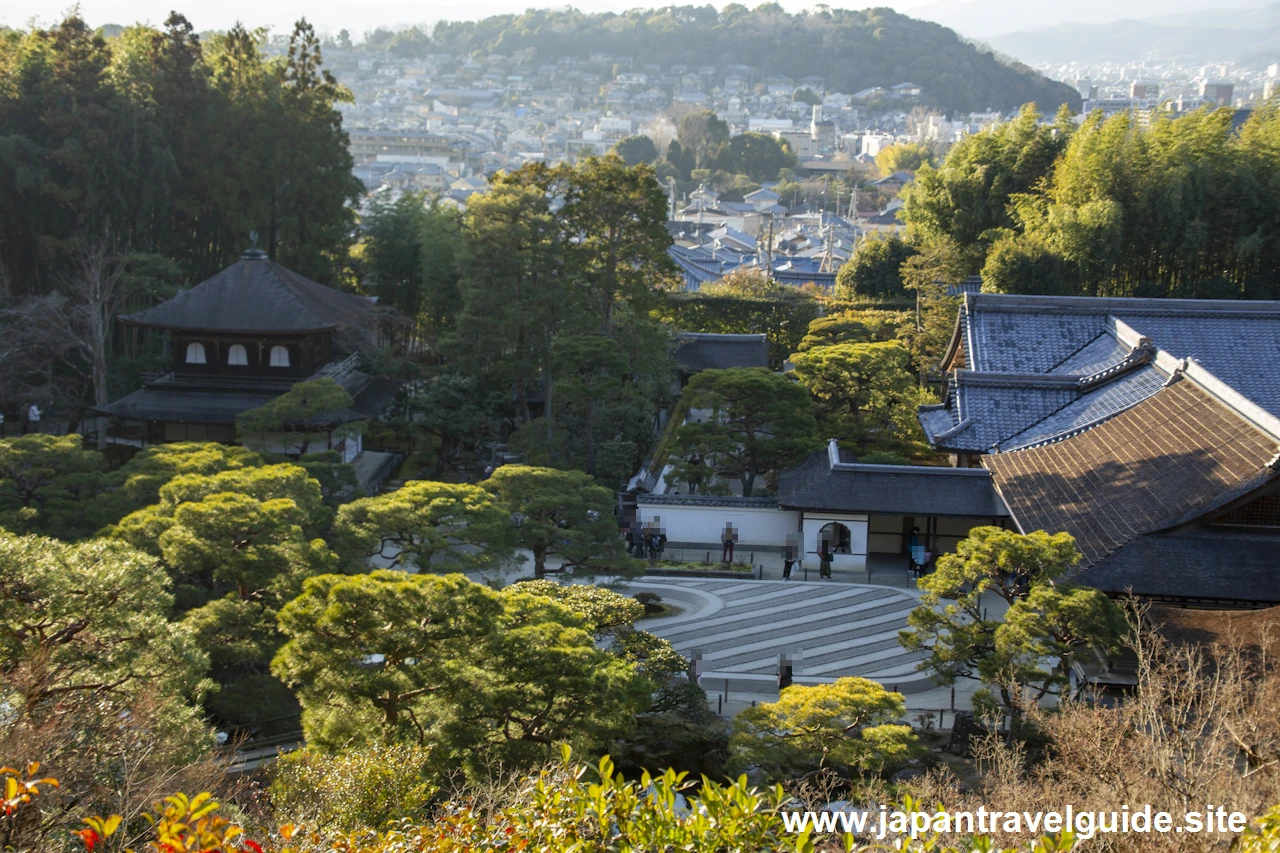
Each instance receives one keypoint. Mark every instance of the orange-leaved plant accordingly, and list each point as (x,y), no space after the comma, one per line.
(184,825)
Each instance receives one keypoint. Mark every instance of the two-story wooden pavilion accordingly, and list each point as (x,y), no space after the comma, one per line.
(238,340)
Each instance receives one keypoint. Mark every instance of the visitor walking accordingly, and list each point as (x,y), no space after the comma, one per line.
(637,539)
(824,560)
(33,419)
(659,542)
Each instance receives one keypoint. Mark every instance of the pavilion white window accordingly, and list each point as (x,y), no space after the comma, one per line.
(279,356)
(237,356)
(195,353)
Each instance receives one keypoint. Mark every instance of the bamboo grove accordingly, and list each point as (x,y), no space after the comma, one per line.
(1131,205)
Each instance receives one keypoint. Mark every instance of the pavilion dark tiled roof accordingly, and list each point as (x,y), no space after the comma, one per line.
(1175,456)
(256,295)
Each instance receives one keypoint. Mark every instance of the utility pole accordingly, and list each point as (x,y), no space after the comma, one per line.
(768,252)
(671,190)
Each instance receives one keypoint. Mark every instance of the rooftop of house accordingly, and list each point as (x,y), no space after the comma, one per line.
(1026,370)
(255,294)
(695,351)
(832,480)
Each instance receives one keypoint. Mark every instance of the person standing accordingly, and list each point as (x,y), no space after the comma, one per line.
(33,419)
(789,555)
(915,552)
(824,560)
(727,537)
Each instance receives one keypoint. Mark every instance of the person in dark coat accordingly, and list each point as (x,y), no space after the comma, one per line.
(824,560)
(915,552)
(790,556)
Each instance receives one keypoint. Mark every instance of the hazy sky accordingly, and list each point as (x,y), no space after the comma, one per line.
(970,17)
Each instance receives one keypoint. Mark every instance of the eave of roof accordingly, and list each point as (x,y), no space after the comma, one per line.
(255,296)
(1206,565)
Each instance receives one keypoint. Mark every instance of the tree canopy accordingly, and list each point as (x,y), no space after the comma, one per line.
(425,525)
(904,156)
(129,136)
(556,513)
(48,485)
(866,395)
(636,149)
(874,269)
(756,421)
(1049,622)
(849,722)
(1185,207)
(859,326)
(443,662)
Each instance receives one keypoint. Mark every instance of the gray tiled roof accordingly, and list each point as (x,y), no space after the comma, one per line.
(186,406)
(1004,339)
(708,500)
(196,404)
(999,408)
(1091,408)
(1026,342)
(1237,340)
(256,295)
(936,419)
(819,485)
(1103,352)
(696,351)
(1214,566)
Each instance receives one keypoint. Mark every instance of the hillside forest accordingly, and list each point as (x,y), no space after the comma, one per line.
(850,50)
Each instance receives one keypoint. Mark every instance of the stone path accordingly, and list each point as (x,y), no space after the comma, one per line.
(828,630)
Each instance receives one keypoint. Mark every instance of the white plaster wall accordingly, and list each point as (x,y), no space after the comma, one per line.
(756,526)
(857,525)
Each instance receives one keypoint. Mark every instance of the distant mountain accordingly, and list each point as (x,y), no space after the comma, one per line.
(983,19)
(850,50)
(1204,35)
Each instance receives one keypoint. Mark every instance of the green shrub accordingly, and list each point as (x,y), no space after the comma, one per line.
(360,789)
